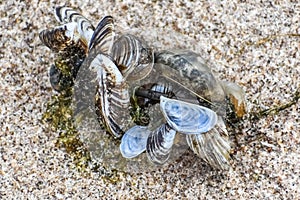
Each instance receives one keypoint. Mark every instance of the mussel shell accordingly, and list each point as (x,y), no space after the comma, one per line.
(113,98)
(134,141)
(194,74)
(84,27)
(187,118)
(133,57)
(150,94)
(60,38)
(159,144)
(103,36)
(70,41)
(213,147)
(71,55)
(187,63)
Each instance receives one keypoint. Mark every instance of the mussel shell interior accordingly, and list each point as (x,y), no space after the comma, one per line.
(133,57)
(134,141)
(187,118)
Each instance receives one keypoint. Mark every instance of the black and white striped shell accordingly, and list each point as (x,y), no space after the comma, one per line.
(75,30)
(70,41)
(84,28)
(113,97)
(116,63)
(133,57)
(159,144)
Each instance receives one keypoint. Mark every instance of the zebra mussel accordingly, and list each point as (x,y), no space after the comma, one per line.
(145,97)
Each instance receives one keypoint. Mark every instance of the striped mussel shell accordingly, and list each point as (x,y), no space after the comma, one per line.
(61,38)
(103,36)
(113,92)
(193,74)
(70,55)
(187,118)
(159,144)
(70,41)
(213,146)
(75,30)
(84,28)
(133,56)
(112,95)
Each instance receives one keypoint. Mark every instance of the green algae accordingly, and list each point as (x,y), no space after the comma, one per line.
(59,116)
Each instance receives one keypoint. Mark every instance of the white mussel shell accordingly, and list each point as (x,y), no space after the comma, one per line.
(133,57)
(134,141)
(213,147)
(113,93)
(159,144)
(187,118)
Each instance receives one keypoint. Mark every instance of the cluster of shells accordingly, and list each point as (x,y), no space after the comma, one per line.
(146,97)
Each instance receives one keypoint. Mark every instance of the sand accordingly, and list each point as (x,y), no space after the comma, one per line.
(255,45)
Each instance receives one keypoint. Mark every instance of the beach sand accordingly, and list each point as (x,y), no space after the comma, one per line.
(255,45)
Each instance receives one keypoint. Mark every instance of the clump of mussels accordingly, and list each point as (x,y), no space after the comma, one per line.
(144,97)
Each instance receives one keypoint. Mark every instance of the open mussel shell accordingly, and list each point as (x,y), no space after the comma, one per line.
(187,118)
(84,27)
(112,96)
(133,57)
(71,54)
(213,147)
(134,141)
(60,38)
(159,144)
